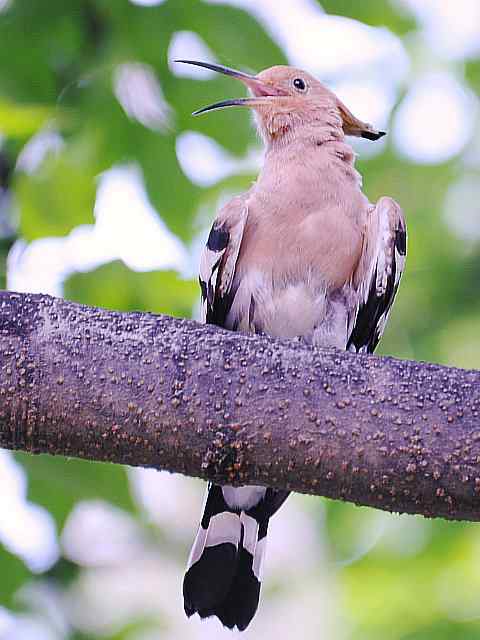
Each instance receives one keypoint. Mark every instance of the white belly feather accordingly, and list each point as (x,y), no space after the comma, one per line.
(288,309)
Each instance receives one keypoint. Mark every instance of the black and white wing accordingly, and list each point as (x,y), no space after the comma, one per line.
(378,275)
(218,262)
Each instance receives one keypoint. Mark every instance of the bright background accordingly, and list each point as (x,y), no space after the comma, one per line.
(107,188)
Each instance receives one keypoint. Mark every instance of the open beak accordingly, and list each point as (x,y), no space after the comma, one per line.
(262,92)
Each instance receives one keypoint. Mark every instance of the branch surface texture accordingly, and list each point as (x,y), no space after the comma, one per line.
(155,391)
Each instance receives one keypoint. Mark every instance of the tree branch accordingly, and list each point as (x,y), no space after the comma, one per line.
(155,391)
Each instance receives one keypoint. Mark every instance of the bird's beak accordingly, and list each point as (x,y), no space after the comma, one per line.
(262,92)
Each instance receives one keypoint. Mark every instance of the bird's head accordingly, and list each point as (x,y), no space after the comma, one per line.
(286,99)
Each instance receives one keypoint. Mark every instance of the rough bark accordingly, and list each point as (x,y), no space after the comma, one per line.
(155,391)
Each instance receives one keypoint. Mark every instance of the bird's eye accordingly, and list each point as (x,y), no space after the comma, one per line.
(299,84)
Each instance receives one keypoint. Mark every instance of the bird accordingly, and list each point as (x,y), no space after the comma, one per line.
(304,255)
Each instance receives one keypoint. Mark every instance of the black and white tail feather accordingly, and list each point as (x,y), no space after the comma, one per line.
(224,570)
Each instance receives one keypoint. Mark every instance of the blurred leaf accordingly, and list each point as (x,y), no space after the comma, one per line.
(148,628)
(220,26)
(350,531)
(5,246)
(376,14)
(22,120)
(172,194)
(138,629)
(458,341)
(115,286)
(441,577)
(446,630)
(63,572)
(13,575)
(38,60)
(59,483)
(143,33)
(57,197)
(472,73)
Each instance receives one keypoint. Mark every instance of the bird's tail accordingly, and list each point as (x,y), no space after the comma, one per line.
(224,569)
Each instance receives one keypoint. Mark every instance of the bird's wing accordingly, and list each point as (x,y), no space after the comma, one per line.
(218,262)
(378,274)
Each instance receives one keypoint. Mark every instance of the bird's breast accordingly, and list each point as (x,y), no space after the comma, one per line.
(287,269)
(302,244)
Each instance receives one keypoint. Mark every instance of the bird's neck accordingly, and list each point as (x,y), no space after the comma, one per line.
(286,134)
(319,156)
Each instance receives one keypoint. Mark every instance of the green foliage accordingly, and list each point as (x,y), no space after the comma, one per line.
(22,121)
(14,576)
(58,483)
(114,286)
(5,246)
(472,73)
(376,14)
(51,212)
(72,77)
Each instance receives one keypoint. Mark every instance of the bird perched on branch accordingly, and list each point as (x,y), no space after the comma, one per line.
(301,253)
